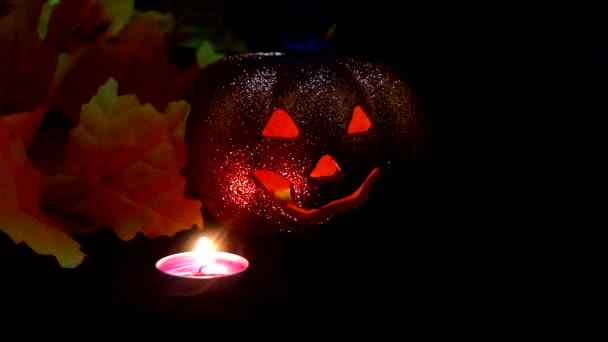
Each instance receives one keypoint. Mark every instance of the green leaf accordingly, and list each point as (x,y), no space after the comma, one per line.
(206,54)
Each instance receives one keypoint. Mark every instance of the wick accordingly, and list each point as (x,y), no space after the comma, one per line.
(200,273)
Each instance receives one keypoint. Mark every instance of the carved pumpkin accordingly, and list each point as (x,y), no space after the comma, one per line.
(284,143)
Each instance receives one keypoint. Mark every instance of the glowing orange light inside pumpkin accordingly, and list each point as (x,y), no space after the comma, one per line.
(326,167)
(280,125)
(275,184)
(360,122)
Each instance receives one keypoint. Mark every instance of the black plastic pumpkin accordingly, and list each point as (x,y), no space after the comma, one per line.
(284,143)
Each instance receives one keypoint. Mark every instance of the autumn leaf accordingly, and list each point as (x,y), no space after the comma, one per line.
(47,156)
(66,24)
(26,124)
(27,65)
(27,11)
(129,155)
(137,58)
(20,215)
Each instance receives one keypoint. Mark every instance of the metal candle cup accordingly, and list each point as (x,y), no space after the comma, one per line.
(189,265)
(199,271)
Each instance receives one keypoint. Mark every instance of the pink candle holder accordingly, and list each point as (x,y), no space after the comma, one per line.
(188,265)
(203,269)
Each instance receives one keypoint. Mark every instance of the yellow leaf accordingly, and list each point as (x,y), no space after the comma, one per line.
(27,65)
(20,215)
(119,12)
(43,236)
(130,156)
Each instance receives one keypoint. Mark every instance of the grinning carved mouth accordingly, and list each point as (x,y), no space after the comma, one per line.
(280,189)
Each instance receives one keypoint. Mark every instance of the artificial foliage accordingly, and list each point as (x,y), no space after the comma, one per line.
(92,120)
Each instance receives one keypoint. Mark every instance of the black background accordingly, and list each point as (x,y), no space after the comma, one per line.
(513,96)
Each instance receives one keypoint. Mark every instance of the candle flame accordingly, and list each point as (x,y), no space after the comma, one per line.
(204,246)
(204,251)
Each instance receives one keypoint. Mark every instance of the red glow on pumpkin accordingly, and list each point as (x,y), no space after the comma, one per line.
(280,125)
(360,123)
(275,184)
(326,167)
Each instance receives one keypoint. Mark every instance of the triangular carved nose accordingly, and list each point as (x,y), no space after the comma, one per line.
(326,167)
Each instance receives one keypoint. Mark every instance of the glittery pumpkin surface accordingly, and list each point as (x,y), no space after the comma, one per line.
(229,138)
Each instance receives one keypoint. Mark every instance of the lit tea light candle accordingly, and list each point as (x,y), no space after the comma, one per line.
(204,253)
(204,262)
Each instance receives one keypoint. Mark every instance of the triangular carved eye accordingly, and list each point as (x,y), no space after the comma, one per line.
(360,123)
(281,125)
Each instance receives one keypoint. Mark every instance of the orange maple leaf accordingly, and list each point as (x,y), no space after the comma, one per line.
(20,215)
(130,155)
